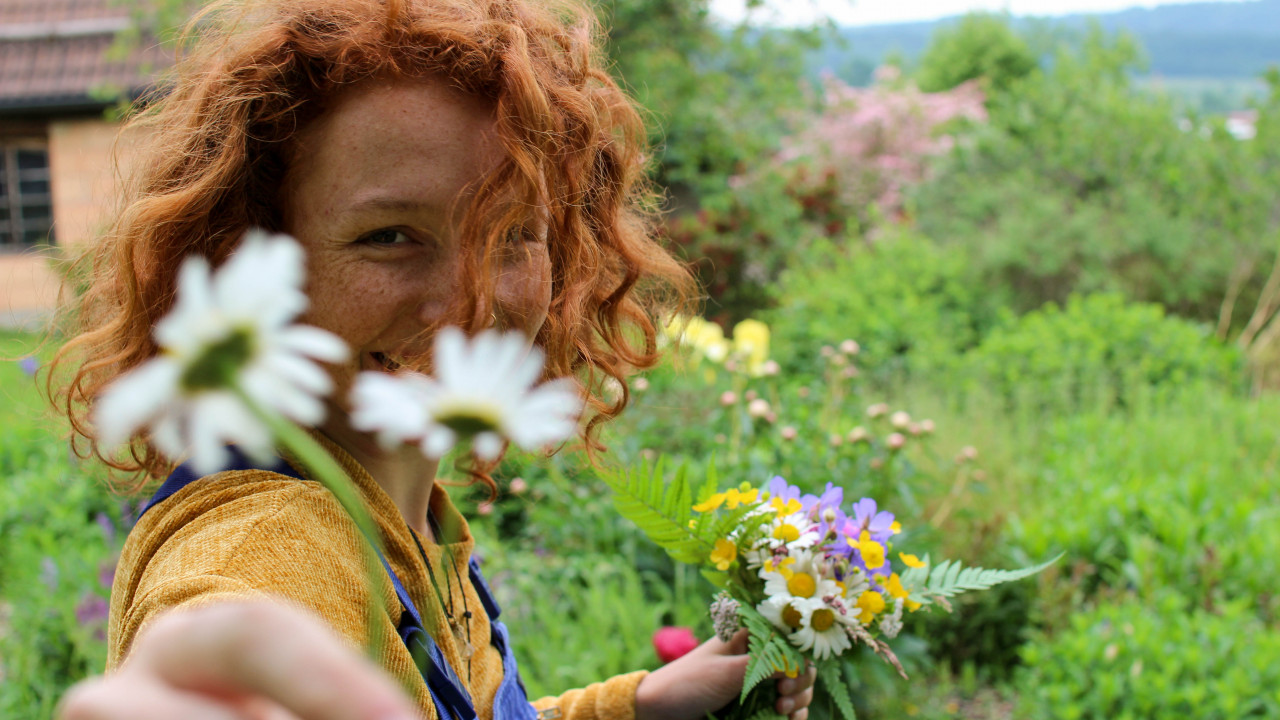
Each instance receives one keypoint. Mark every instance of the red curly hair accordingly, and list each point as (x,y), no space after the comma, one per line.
(218,148)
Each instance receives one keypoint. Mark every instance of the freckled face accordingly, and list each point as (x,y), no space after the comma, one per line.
(375,196)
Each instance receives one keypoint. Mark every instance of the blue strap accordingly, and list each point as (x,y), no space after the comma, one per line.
(183,475)
(482,589)
(451,699)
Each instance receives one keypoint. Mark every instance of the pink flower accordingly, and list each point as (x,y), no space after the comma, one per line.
(518,486)
(673,643)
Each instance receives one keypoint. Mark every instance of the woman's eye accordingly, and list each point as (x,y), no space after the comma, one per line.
(523,235)
(385,237)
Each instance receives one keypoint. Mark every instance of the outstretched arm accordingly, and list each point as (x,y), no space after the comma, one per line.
(252,660)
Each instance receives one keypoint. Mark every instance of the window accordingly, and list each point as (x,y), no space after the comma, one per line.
(26,199)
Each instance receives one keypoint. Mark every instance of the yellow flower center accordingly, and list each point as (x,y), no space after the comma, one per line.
(791,617)
(786,533)
(802,585)
(469,420)
(822,619)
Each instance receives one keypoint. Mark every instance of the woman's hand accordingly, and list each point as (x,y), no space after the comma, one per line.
(249,661)
(710,677)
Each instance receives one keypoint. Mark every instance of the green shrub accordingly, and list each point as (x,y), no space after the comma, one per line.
(1154,660)
(1098,345)
(1178,495)
(909,303)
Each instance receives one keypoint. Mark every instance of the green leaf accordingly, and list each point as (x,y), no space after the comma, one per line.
(949,579)
(914,578)
(832,681)
(661,511)
(768,649)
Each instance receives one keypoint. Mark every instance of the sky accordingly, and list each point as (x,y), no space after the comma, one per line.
(872,12)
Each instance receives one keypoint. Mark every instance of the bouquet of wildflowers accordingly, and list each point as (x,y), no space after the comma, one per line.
(810,577)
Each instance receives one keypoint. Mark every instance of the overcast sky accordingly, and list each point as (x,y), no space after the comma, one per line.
(870,12)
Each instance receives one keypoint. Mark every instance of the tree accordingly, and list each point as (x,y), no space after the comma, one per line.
(982,46)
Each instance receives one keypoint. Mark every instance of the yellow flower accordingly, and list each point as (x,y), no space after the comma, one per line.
(724,554)
(790,507)
(871,603)
(894,586)
(745,495)
(711,503)
(896,527)
(751,343)
(911,560)
(871,551)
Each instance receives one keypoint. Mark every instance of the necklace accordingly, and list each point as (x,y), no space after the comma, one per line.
(459,626)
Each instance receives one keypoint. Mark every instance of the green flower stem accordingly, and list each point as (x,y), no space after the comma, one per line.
(323,468)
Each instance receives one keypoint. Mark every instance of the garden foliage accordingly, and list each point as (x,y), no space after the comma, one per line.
(1052,325)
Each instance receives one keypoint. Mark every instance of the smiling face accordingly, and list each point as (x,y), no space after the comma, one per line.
(376,195)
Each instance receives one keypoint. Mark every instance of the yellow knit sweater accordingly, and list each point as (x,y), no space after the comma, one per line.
(255,534)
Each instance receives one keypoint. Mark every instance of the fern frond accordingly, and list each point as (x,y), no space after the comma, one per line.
(769,650)
(949,578)
(831,680)
(662,512)
(914,578)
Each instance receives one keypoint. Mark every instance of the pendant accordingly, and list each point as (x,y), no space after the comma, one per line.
(465,648)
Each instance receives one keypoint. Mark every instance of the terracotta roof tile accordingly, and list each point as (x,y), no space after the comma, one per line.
(53,53)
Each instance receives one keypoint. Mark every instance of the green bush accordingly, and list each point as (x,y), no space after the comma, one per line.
(1098,347)
(909,302)
(1179,495)
(1154,660)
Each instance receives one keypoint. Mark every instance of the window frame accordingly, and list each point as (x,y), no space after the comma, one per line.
(16,202)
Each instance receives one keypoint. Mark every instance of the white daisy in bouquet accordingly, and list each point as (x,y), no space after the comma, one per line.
(809,576)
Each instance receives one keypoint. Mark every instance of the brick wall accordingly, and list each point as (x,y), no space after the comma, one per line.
(80,165)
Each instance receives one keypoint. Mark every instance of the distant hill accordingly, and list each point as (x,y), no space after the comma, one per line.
(1217,40)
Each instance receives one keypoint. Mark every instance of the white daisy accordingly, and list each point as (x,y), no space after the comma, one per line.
(855,583)
(822,629)
(791,532)
(228,337)
(783,611)
(483,390)
(799,575)
(796,531)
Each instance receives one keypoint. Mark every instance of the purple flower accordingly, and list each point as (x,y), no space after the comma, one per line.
(127,510)
(865,517)
(832,497)
(92,609)
(779,490)
(108,528)
(107,574)
(832,520)
(92,612)
(29,365)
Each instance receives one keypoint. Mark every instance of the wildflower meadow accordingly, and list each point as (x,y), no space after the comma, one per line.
(1007,318)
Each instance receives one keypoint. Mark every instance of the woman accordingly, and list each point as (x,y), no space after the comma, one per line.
(442,162)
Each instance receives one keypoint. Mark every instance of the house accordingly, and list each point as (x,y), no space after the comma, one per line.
(55,141)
